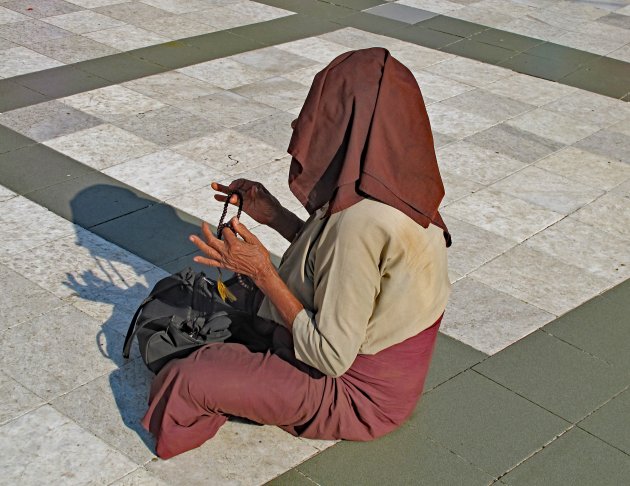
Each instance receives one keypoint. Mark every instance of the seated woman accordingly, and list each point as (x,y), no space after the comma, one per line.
(357,300)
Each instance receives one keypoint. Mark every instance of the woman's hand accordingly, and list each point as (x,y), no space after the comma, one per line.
(258,202)
(246,256)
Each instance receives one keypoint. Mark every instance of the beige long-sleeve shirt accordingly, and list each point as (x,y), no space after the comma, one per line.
(368,277)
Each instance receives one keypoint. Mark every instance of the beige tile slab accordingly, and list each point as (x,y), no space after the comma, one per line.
(476,163)
(279,92)
(473,246)
(590,43)
(15,400)
(416,57)
(93,3)
(228,152)
(5,44)
(623,53)
(578,10)
(614,144)
(20,60)
(532,27)
(171,87)
(489,105)
(238,454)
(547,124)
(31,31)
(502,214)
(16,290)
(585,246)
(7,16)
(439,87)
(319,50)
(47,444)
(26,225)
(454,122)
(112,102)
(47,120)
(83,21)
(163,174)
(514,9)
(541,280)
(439,6)
(259,12)
(591,109)
(610,212)
(126,38)
(622,128)
(38,9)
(484,16)
(487,319)
(360,39)
(6,194)
(41,364)
(181,6)
(565,20)
(167,126)
(73,48)
(622,189)
(102,146)
(305,75)
(457,187)
(139,477)
(274,61)
(529,89)
(589,169)
(602,30)
(225,73)
(111,407)
(548,190)
(470,72)
(134,12)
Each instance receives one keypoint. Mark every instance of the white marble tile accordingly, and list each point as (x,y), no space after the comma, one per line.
(439,6)
(532,27)
(502,214)
(111,407)
(139,477)
(171,87)
(580,11)
(565,21)
(602,30)
(585,246)
(509,7)
(278,92)
(16,290)
(416,57)
(259,12)
(20,60)
(454,122)
(457,187)
(548,190)
(177,27)
(559,128)
(622,128)
(93,3)
(41,364)
(591,109)
(541,280)
(438,87)
(469,71)
(102,146)
(164,174)
(273,61)
(305,75)
(487,319)
(7,16)
(314,48)
(477,163)
(184,6)
(613,144)
(488,105)
(228,152)
(228,109)
(274,130)
(224,73)
(134,13)
(83,21)
(112,102)
(47,444)
(6,194)
(623,54)
(27,225)
(360,39)
(610,212)
(238,454)
(529,89)
(82,266)
(126,38)
(15,400)
(589,169)
(472,246)
(590,43)
(73,48)
(484,16)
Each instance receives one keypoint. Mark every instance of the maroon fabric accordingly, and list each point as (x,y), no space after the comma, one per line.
(364,131)
(192,398)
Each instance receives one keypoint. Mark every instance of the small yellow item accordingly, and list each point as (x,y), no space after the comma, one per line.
(224,292)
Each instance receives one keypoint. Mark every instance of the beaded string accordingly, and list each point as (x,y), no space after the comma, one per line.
(222,224)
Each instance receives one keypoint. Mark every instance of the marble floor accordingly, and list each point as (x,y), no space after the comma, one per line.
(537,177)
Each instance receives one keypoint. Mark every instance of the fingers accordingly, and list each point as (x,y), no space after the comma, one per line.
(220,187)
(207,249)
(241,230)
(207,261)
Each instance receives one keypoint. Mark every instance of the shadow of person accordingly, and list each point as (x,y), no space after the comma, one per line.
(118,280)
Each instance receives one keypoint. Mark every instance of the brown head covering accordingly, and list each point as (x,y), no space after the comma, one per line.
(364,132)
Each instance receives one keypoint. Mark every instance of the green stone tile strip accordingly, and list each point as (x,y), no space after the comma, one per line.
(551,408)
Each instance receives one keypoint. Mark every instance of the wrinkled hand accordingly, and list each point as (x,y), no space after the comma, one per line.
(258,202)
(246,256)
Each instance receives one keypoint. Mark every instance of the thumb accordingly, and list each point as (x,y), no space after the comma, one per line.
(241,230)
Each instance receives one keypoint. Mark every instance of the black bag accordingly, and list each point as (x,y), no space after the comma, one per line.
(182,313)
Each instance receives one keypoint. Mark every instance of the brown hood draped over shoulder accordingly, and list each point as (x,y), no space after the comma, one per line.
(364,132)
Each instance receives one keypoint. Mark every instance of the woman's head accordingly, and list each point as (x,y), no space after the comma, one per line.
(364,131)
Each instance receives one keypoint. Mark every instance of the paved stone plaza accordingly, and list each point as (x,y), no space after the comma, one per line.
(116,116)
